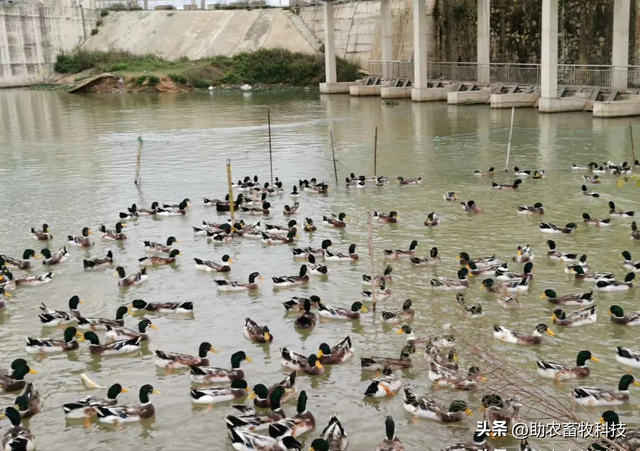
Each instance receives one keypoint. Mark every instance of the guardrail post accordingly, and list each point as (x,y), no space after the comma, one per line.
(484,42)
(549,49)
(386,38)
(620,51)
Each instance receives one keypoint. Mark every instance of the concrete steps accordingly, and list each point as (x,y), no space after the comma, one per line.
(304,30)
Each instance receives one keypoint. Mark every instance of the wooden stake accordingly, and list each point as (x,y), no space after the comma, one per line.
(231,199)
(633,148)
(333,152)
(137,180)
(506,165)
(375,153)
(373,276)
(270,155)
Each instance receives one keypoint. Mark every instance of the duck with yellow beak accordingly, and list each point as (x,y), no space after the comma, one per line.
(340,353)
(84,407)
(130,414)
(591,396)
(558,371)
(256,333)
(209,374)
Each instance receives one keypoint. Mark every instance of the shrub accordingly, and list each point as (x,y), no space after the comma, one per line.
(118,66)
(201,83)
(94,31)
(153,80)
(99,22)
(141,79)
(104,13)
(179,78)
(230,78)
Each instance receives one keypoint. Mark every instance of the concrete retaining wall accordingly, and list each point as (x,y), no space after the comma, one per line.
(32,35)
(197,34)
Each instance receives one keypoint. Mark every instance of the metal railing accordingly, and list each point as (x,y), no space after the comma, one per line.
(614,77)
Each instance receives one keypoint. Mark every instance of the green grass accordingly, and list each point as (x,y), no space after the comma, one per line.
(269,67)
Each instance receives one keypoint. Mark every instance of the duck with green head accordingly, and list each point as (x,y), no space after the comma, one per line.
(340,353)
(98,324)
(51,345)
(217,395)
(579,299)
(85,407)
(591,396)
(83,241)
(629,263)
(3,295)
(134,279)
(14,380)
(580,317)
(618,317)
(170,360)
(50,259)
(208,375)
(23,263)
(295,426)
(42,235)
(156,260)
(17,437)
(335,221)
(629,440)
(446,284)
(333,435)
(132,413)
(558,371)
(249,419)
(113,234)
(29,402)
(118,347)
(434,410)
(119,333)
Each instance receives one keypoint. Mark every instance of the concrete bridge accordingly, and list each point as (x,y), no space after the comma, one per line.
(608,91)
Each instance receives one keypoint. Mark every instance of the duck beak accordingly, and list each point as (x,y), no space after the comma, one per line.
(81,302)
(156,392)
(364,309)
(550,332)
(609,313)
(267,336)
(252,395)
(79,334)
(601,420)
(153,326)
(33,372)
(211,349)
(554,317)
(116,274)
(636,383)
(249,359)
(519,253)
(260,277)
(594,358)
(81,338)
(455,358)
(318,365)
(3,416)
(399,332)
(320,354)
(544,296)
(124,390)
(124,225)
(468,411)
(482,287)
(230,260)
(8,295)
(483,379)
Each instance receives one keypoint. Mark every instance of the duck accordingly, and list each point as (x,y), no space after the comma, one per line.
(309,226)
(311,186)
(297,425)
(337,354)
(474,270)
(497,410)
(338,256)
(626,438)
(309,365)
(521,173)
(275,229)
(403,315)
(391,442)
(514,286)
(341,313)
(152,246)
(335,221)
(433,410)
(582,262)
(41,235)
(288,281)
(591,396)
(432,220)
(379,363)
(432,260)
(464,259)
(580,274)
(224,205)
(597,222)
(242,440)
(174,360)
(148,211)
(113,234)
(558,371)
(184,204)
(538,174)
(156,260)
(227,285)
(117,347)
(596,168)
(509,303)
(399,253)
(97,263)
(31,279)
(580,317)
(82,241)
(24,263)
(96,324)
(470,311)
(502,273)
(58,317)
(547,227)
(411,339)
(270,239)
(250,420)
(629,263)
(488,173)
(173,209)
(386,385)
(130,214)
(450,196)
(444,283)
(316,269)
(291,210)
(304,253)
(201,374)
(256,333)
(471,206)
(131,413)
(579,167)
(333,438)
(17,437)
(294,194)
(588,193)
(392,217)
(13,380)
(61,255)
(523,254)
(619,214)
(579,299)
(614,285)
(511,336)
(211,266)
(306,320)
(618,317)
(515,185)
(554,254)
(260,210)
(595,180)
(161,307)
(3,294)
(479,443)
(448,360)
(381,293)
(626,356)
(377,280)
(84,408)
(119,333)
(135,279)
(296,304)
(412,181)
(535,209)
(262,396)
(29,403)
(49,345)
(635,233)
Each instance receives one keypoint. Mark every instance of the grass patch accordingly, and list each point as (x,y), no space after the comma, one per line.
(94,31)
(179,78)
(104,13)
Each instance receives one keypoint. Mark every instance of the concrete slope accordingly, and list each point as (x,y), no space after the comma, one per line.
(197,34)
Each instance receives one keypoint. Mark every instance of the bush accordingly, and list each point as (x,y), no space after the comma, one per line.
(179,78)
(141,79)
(104,13)
(153,80)
(94,31)
(99,22)
(201,83)
(230,78)
(118,66)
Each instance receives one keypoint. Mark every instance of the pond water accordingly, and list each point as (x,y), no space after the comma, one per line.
(69,160)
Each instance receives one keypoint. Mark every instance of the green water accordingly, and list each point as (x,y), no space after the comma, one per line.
(70,161)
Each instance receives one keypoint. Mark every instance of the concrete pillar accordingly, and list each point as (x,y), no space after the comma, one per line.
(203,4)
(549,50)
(146,4)
(329,45)
(620,53)
(484,42)
(386,27)
(419,45)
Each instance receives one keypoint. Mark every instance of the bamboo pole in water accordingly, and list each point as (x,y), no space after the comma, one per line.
(231,200)
(137,180)
(333,152)
(506,165)
(375,153)
(270,155)
(373,288)
(633,147)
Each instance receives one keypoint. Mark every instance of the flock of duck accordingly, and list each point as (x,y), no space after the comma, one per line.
(264,424)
